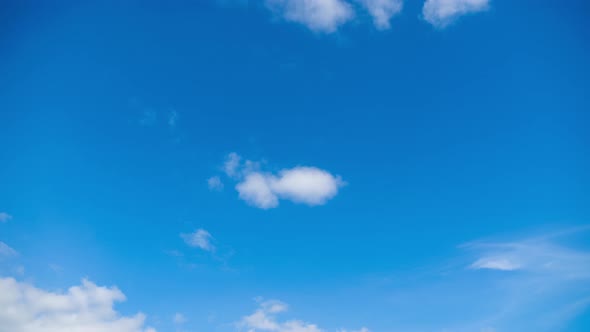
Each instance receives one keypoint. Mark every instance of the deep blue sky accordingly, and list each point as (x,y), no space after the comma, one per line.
(444,135)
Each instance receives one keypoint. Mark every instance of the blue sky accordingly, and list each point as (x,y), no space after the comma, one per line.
(294,166)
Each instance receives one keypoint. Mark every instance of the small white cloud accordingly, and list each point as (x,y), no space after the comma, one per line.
(491,263)
(232,164)
(87,307)
(382,11)
(7,251)
(265,319)
(441,13)
(306,185)
(178,318)
(215,183)
(324,16)
(199,239)
(5,217)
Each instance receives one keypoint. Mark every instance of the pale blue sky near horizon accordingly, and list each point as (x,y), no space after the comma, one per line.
(210,157)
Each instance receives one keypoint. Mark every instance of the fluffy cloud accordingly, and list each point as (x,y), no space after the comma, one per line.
(199,239)
(307,185)
(324,16)
(6,250)
(265,319)
(382,11)
(84,308)
(5,217)
(441,13)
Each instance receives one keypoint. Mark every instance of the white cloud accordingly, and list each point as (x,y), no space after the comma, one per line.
(265,319)
(441,13)
(84,308)
(232,165)
(382,11)
(256,190)
(178,318)
(199,239)
(536,255)
(363,329)
(7,251)
(494,263)
(324,16)
(5,217)
(306,185)
(215,183)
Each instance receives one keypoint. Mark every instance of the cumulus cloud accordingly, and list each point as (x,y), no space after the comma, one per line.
(382,11)
(256,190)
(441,13)
(5,217)
(265,318)
(199,239)
(324,16)
(88,308)
(214,183)
(6,250)
(306,185)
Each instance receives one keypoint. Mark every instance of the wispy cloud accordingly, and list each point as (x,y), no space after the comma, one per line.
(148,118)
(265,318)
(86,307)
(7,251)
(441,13)
(537,255)
(214,183)
(231,165)
(5,217)
(178,318)
(199,239)
(536,283)
(324,16)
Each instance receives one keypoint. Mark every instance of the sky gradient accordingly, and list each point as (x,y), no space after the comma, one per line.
(295,166)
